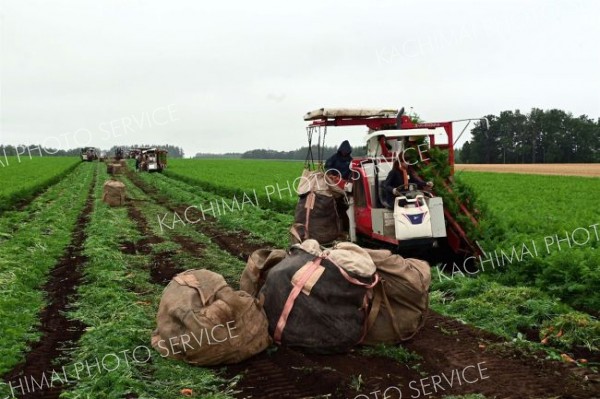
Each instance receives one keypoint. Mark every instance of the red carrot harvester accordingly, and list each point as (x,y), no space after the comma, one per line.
(417,218)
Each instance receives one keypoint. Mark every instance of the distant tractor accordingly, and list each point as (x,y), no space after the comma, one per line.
(153,160)
(88,154)
(416,218)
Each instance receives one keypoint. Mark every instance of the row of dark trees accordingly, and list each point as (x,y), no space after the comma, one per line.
(33,150)
(541,136)
(24,150)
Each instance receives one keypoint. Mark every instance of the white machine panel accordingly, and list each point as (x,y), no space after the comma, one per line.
(438,222)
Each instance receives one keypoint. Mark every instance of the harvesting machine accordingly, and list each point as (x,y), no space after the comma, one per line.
(88,154)
(419,219)
(153,159)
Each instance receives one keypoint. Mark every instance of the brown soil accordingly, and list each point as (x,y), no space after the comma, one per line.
(445,345)
(560,169)
(162,267)
(189,245)
(58,332)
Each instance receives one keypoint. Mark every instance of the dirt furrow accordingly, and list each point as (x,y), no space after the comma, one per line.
(59,333)
(162,267)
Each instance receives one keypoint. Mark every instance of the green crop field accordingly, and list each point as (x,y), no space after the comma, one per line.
(124,256)
(557,219)
(273,181)
(23,178)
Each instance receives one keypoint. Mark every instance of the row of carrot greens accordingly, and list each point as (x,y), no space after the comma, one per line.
(29,248)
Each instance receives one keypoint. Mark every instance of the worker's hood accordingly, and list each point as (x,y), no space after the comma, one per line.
(345,148)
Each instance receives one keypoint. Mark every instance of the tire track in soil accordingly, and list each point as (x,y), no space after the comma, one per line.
(290,374)
(59,333)
(162,267)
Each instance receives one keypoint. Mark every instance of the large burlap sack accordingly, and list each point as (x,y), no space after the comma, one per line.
(315,304)
(316,217)
(400,300)
(203,321)
(317,214)
(113,193)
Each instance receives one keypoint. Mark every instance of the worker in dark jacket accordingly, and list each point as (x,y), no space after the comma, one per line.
(398,180)
(340,161)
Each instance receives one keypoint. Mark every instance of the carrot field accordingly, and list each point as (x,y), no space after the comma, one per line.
(23,177)
(81,283)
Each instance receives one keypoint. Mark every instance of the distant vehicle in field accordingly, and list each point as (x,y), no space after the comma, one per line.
(153,160)
(119,154)
(88,154)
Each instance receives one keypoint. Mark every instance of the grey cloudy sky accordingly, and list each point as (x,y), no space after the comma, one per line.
(223,76)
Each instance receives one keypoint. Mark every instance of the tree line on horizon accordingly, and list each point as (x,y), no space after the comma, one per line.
(541,136)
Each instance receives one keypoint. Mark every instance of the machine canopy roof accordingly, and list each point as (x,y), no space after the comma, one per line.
(324,113)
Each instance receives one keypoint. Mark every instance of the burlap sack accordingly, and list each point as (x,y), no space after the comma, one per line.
(400,301)
(203,321)
(116,169)
(113,193)
(317,215)
(258,265)
(123,162)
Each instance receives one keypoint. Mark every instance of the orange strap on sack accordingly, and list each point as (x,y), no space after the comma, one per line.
(309,205)
(354,281)
(289,304)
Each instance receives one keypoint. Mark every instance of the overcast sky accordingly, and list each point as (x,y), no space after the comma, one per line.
(218,76)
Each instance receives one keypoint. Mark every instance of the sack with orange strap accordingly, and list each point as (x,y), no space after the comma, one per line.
(317,300)
(400,300)
(317,215)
